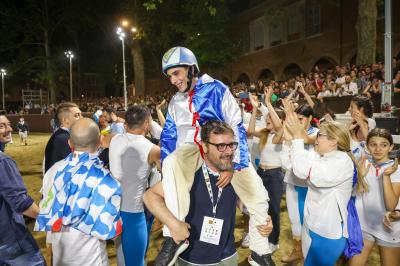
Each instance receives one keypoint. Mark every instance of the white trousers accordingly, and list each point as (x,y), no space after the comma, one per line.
(292,203)
(178,174)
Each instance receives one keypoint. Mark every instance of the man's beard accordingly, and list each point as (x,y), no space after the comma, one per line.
(222,165)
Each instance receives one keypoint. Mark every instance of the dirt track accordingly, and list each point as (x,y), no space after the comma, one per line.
(29,159)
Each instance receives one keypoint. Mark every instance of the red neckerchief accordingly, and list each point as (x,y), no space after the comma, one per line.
(196,119)
(379,166)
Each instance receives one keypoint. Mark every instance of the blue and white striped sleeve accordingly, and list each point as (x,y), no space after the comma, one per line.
(233,117)
(169,137)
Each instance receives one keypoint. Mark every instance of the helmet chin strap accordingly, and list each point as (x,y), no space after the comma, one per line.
(190,78)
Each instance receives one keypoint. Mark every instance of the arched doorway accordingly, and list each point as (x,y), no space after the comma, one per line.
(291,71)
(324,64)
(226,81)
(353,60)
(243,78)
(266,75)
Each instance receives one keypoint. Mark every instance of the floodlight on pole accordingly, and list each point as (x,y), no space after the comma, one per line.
(70,55)
(125,23)
(121,34)
(3,73)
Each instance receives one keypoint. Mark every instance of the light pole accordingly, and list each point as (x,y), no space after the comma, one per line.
(121,34)
(3,73)
(70,55)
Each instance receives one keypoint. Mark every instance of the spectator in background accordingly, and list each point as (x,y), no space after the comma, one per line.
(116,123)
(349,87)
(57,148)
(326,92)
(317,82)
(23,129)
(373,88)
(17,246)
(103,125)
(396,82)
(340,79)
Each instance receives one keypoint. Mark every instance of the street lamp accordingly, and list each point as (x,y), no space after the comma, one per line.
(70,55)
(121,34)
(3,73)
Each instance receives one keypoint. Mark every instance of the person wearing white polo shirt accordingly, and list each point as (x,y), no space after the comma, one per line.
(383,179)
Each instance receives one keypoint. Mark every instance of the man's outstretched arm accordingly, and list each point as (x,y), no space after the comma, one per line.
(154,200)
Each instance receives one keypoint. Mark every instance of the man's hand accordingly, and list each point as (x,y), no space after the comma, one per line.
(180,231)
(265,229)
(224,179)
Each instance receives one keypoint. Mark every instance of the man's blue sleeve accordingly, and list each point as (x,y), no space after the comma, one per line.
(12,188)
(168,138)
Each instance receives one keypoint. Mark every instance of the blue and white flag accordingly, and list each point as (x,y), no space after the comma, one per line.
(82,195)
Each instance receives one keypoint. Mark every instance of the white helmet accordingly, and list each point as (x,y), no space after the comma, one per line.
(179,56)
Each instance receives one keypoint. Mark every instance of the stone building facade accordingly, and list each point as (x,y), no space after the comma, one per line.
(281,38)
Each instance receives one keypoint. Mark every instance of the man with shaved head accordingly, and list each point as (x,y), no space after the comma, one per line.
(81,201)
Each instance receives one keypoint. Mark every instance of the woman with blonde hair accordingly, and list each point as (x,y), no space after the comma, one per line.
(296,188)
(329,170)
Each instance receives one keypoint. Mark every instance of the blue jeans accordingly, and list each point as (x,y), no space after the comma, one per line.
(273,183)
(21,252)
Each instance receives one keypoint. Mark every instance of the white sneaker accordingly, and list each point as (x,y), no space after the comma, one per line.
(273,247)
(245,240)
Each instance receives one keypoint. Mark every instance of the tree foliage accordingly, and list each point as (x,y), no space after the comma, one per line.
(35,35)
(204,26)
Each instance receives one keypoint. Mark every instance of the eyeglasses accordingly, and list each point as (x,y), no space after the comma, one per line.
(221,147)
(319,134)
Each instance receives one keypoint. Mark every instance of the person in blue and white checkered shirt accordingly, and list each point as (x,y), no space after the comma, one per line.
(81,201)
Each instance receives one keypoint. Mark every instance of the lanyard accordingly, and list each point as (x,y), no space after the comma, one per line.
(210,192)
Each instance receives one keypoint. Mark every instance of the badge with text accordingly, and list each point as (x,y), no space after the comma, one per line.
(211,230)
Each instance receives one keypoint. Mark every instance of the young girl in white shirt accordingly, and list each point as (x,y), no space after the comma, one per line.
(382,193)
(329,171)
(269,168)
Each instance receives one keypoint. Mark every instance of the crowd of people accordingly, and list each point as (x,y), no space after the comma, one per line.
(210,151)
(337,81)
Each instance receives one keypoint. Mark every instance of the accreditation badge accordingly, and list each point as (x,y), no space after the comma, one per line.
(211,230)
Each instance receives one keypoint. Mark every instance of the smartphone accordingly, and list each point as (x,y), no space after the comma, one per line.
(260,97)
(244,95)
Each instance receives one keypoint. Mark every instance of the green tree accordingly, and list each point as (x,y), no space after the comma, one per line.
(203,26)
(36,33)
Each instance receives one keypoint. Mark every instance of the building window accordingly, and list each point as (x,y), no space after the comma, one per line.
(275,34)
(295,24)
(245,43)
(313,20)
(258,34)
